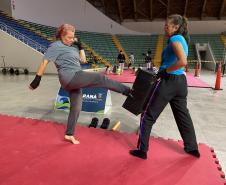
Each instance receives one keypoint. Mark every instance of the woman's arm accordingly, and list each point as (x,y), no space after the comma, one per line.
(82,56)
(182,60)
(42,67)
(35,83)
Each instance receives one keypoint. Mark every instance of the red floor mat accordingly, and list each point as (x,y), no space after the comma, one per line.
(196,82)
(32,152)
(129,77)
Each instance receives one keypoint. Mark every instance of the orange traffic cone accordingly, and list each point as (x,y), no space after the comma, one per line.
(218,78)
(196,69)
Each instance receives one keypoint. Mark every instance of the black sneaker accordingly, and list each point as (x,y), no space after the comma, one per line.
(105,124)
(138,153)
(94,122)
(194,153)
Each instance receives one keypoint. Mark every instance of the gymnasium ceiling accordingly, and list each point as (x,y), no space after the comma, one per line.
(151,10)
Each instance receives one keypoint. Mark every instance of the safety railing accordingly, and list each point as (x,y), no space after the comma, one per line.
(22,38)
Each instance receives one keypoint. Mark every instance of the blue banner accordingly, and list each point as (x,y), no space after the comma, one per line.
(94,100)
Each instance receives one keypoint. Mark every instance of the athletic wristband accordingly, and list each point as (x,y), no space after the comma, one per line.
(35,83)
(79,44)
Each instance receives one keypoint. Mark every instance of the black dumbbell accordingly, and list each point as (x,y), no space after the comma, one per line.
(11,71)
(26,72)
(4,71)
(17,72)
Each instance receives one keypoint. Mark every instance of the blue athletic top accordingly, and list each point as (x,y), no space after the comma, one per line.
(168,56)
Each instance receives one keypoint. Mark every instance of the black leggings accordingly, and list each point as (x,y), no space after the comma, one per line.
(84,79)
(172,90)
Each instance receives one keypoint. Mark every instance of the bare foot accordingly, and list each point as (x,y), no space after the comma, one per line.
(71,139)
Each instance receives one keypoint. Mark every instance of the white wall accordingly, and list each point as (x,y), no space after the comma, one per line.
(77,12)
(5,5)
(195,27)
(18,54)
(87,18)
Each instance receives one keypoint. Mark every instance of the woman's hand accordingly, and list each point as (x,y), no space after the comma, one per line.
(82,61)
(35,83)
(78,43)
(82,57)
(162,74)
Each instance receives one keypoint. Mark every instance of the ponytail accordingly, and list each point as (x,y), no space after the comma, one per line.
(184,29)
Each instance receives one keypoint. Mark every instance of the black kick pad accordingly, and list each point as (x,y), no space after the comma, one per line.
(141,91)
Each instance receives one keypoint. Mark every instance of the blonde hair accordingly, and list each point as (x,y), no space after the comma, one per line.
(63,29)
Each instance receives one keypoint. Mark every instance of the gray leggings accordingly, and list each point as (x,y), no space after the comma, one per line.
(87,79)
